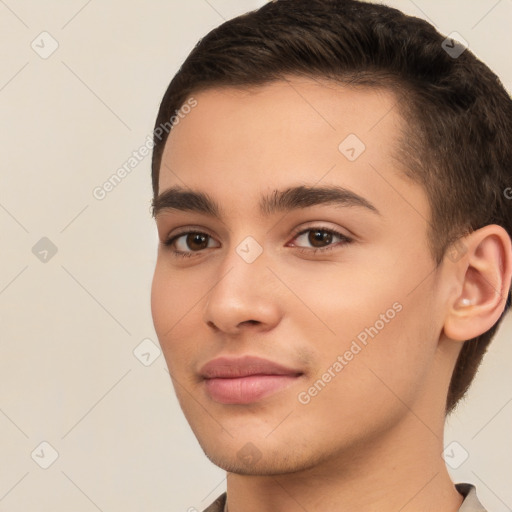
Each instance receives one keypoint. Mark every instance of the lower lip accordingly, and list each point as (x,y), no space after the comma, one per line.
(246,390)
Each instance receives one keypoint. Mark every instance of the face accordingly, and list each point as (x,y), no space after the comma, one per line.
(338,288)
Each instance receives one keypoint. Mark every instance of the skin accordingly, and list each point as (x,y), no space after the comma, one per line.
(372,438)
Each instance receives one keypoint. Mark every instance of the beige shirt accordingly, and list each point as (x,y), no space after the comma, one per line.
(470,504)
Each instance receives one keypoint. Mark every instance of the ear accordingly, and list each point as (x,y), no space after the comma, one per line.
(483,278)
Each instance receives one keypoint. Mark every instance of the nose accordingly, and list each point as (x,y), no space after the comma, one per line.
(244,297)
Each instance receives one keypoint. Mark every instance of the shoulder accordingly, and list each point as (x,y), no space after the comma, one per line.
(471,502)
(218,505)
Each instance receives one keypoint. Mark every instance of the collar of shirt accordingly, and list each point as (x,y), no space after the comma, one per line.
(471,502)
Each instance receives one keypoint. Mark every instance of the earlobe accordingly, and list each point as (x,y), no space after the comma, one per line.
(486,273)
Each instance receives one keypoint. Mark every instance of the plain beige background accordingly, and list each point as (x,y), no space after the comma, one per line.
(79,362)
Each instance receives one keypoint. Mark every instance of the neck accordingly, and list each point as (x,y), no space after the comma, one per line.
(382,475)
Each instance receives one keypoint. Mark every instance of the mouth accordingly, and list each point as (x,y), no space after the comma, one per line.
(245,380)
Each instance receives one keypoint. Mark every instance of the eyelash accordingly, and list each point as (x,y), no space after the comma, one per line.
(344,241)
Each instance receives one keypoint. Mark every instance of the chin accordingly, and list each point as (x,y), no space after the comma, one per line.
(258,458)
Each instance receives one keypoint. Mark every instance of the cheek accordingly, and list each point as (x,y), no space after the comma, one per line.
(371,316)
(173,296)
(343,304)
(175,299)
(379,369)
(163,300)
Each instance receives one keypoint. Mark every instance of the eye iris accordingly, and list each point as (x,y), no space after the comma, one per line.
(319,237)
(197,238)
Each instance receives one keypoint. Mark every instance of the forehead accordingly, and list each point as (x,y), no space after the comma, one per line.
(294,131)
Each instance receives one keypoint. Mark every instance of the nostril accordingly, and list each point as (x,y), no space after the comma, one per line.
(252,322)
(212,325)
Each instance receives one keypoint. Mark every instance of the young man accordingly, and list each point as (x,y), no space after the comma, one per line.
(335,252)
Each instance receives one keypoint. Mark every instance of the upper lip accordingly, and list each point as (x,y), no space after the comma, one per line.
(233,367)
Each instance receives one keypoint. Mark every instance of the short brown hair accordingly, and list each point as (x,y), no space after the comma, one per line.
(458,114)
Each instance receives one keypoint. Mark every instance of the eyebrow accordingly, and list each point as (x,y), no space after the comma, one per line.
(292,198)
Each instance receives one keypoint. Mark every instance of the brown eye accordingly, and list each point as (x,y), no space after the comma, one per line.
(319,237)
(196,241)
(190,243)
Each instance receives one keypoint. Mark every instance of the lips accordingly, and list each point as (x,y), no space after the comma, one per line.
(246,379)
